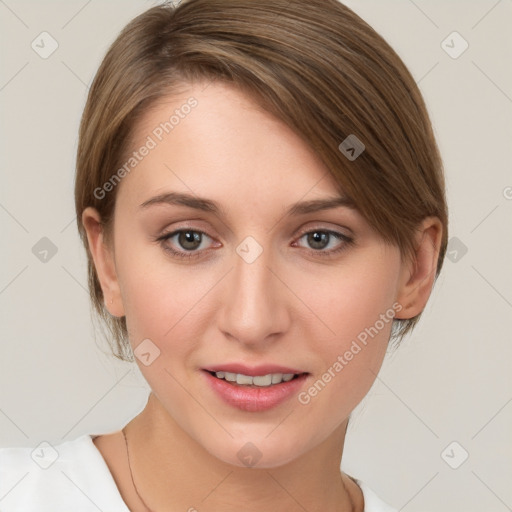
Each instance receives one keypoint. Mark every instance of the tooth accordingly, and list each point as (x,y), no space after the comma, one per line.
(243,379)
(262,380)
(276,378)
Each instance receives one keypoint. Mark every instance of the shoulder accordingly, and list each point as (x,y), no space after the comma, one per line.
(372,503)
(55,476)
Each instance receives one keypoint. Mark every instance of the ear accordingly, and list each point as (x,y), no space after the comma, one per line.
(419,271)
(104,262)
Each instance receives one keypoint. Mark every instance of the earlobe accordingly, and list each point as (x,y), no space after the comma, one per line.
(418,274)
(103,256)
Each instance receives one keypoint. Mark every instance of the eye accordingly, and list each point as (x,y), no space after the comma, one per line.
(319,239)
(190,243)
(190,240)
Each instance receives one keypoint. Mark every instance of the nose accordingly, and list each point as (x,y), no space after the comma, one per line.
(254,301)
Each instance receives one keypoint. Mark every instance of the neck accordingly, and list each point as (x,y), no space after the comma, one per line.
(184,476)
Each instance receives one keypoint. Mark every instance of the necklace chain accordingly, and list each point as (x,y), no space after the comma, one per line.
(131,473)
(144,503)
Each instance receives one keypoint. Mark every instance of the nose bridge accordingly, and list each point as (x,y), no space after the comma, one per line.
(253,305)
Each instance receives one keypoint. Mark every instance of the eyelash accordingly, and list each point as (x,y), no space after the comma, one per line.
(347,241)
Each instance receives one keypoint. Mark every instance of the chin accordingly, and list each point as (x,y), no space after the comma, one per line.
(260,453)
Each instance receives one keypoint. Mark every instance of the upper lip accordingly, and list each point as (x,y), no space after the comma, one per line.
(253,371)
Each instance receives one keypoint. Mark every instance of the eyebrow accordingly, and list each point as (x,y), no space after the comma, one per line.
(207,205)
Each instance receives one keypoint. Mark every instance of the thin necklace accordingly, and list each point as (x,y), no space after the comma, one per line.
(131,474)
(352,504)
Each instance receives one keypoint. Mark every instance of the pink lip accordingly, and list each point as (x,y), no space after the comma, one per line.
(255,399)
(262,369)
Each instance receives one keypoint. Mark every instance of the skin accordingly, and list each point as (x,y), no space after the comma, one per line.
(291,306)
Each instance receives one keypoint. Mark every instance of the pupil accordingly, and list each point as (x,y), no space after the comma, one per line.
(190,237)
(317,239)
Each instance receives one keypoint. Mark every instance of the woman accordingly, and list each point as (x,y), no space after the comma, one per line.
(261,199)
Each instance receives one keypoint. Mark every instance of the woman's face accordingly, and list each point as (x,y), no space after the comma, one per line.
(257,281)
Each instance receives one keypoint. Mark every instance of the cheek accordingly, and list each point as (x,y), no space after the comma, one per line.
(351,297)
(355,306)
(157,295)
(361,301)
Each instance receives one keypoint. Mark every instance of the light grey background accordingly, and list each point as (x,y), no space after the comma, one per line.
(451,381)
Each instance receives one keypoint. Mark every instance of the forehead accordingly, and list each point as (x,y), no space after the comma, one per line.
(215,141)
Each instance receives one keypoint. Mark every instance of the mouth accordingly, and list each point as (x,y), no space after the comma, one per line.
(265,389)
(255,381)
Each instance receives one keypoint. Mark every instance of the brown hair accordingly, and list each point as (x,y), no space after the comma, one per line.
(315,65)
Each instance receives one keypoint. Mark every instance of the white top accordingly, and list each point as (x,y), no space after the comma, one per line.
(73,475)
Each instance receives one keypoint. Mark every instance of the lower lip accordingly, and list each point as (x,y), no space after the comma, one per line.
(255,399)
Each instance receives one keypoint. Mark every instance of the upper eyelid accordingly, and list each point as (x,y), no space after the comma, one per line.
(298,231)
(337,229)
